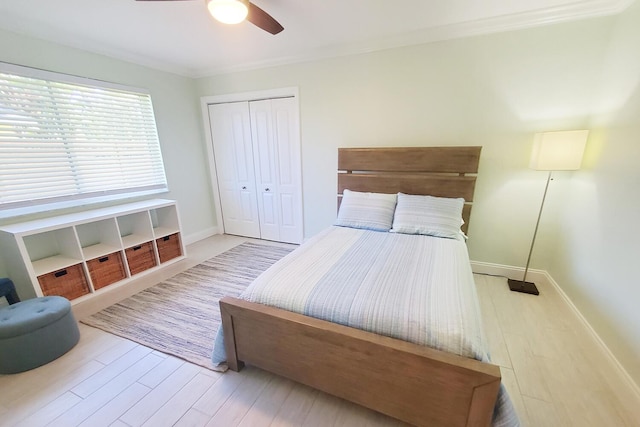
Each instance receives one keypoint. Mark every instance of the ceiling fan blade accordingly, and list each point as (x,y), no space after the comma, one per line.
(256,16)
(262,19)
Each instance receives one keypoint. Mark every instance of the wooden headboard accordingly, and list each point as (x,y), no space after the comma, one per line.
(435,171)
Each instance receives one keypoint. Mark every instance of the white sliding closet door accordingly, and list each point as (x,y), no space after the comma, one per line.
(233,152)
(265,153)
(256,149)
(276,148)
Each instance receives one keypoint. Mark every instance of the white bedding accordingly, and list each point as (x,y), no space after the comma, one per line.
(415,288)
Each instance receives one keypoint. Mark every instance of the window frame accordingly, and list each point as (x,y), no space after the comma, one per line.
(78,199)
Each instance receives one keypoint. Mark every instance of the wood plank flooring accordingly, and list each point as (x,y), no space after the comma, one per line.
(554,371)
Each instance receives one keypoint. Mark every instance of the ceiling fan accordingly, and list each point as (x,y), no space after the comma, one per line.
(236,11)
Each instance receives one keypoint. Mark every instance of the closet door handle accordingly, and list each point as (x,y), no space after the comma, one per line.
(266,189)
(244,188)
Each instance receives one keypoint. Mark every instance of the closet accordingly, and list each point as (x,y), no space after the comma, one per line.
(256,148)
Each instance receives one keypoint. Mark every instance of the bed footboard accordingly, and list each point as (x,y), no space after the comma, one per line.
(412,383)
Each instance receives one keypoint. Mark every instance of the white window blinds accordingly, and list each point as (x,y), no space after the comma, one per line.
(65,138)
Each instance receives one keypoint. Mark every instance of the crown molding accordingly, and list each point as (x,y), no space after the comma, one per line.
(516,21)
(101,49)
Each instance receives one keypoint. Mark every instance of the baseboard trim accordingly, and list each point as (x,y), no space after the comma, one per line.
(542,276)
(621,370)
(202,234)
(507,271)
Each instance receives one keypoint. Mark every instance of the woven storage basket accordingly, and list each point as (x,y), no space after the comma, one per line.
(141,257)
(169,247)
(68,282)
(106,270)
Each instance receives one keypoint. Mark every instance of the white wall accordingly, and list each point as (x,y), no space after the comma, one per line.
(597,247)
(494,91)
(497,91)
(177,110)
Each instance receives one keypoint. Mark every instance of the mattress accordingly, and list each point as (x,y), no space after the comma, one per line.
(410,287)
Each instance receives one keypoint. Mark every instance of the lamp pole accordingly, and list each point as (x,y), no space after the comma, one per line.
(524,286)
(535,231)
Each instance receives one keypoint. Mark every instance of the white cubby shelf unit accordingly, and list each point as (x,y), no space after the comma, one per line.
(91,250)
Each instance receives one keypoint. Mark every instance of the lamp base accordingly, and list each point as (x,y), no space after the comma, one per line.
(525,287)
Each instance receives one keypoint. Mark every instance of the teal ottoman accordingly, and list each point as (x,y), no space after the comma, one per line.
(35,332)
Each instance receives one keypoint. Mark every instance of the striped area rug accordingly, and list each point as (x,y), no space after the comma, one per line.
(180,316)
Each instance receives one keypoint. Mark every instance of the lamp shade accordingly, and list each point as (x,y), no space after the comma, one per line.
(558,151)
(229,11)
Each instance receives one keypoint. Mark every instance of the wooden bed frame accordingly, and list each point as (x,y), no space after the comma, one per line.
(412,383)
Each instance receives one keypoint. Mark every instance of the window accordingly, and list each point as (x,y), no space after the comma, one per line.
(65,138)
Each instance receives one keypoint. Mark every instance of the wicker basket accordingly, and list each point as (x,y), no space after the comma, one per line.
(169,247)
(141,257)
(69,282)
(106,270)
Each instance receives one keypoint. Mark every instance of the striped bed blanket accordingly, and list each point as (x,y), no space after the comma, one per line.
(410,287)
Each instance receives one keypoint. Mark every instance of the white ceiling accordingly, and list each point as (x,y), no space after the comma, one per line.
(181,37)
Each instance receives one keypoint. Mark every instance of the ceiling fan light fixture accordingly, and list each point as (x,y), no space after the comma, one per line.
(229,11)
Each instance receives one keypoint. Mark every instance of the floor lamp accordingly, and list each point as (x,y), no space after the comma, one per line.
(552,151)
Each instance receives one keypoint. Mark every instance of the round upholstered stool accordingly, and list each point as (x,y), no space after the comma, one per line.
(35,332)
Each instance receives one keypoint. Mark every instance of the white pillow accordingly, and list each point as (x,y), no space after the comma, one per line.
(370,211)
(428,215)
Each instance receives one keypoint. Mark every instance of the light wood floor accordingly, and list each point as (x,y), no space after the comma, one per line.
(554,371)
